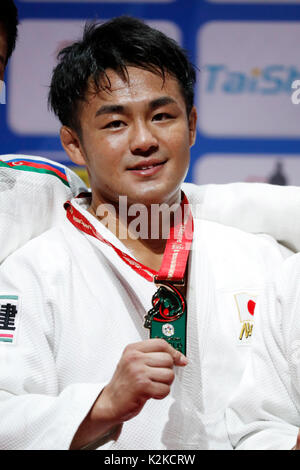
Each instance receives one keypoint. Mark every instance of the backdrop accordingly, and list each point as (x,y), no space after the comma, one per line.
(247,53)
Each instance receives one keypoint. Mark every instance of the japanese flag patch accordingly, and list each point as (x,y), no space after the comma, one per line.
(9,316)
(246,304)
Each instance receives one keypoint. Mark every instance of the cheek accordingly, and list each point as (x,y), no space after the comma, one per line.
(179,135)
(104,154)
(179,143)
(115,144)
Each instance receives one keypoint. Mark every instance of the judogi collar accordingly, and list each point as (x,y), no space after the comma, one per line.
(167,318)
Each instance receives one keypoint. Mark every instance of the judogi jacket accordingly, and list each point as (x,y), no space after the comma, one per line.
(69,306)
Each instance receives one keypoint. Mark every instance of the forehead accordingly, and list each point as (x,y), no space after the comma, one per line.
(142,87)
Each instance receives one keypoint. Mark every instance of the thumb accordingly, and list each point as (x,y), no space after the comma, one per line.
(180,359)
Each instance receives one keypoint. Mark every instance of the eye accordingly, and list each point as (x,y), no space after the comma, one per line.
(162,117)
(114,125)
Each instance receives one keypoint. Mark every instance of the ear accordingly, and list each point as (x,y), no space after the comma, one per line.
(72,145)
(193,125)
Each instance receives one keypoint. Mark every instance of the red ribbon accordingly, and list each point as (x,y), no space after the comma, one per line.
(176,252)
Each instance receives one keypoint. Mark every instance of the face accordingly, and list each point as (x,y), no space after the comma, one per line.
(135,140)
(3,51)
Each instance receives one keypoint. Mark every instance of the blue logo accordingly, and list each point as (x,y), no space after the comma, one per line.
(269,80)
(2,92)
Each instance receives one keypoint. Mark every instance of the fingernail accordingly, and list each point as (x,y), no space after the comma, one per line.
(183,360)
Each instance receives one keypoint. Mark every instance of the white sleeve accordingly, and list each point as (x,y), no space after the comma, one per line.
(264,413)
(252,207)
(23,215)
(36,412)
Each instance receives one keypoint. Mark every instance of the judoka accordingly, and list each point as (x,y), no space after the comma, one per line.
(78,369)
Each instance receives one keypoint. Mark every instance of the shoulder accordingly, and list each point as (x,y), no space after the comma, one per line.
(33,191)
(235,244)
(237,258)
(42,254)
(227,235)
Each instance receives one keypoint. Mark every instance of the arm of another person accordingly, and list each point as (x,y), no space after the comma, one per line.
(252,207)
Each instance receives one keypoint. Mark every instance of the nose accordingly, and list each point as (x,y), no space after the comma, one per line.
(143,141)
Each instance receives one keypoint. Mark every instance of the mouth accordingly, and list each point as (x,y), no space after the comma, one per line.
(147,169)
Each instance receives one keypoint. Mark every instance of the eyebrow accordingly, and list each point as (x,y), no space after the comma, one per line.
(163,101)
(110,109)
(119,109)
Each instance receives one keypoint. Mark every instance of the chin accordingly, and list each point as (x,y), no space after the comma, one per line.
(155,196)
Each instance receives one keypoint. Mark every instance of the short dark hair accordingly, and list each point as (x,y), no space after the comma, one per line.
(116,44)
(9,20)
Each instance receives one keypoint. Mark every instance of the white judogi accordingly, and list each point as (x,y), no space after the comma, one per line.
(265,413)
(79,305)
(31,202)
(253,207)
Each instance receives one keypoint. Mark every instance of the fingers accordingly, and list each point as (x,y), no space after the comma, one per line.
(162,375)
(145,371)
(180,359)
(159,390)
(159,359)
(160,345)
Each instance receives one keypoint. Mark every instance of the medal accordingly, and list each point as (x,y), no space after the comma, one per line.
(167,318)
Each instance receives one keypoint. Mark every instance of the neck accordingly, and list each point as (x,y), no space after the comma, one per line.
(138,226)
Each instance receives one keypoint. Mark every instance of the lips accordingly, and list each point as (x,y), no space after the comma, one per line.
(147,165)
(148,168)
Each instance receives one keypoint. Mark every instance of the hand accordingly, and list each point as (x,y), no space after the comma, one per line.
(144,371)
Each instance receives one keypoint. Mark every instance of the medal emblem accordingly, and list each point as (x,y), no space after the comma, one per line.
(168,329)
(167,318)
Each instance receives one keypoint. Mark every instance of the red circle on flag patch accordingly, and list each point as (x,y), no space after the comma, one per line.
(251,307)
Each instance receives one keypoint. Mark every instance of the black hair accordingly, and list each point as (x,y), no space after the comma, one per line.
(116,44)
(9,20)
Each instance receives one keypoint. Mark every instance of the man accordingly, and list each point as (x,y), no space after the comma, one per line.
(22,215)
(265,413)
(78,369)
(8,32)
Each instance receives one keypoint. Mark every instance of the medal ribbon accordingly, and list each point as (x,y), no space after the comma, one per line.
(176,252)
